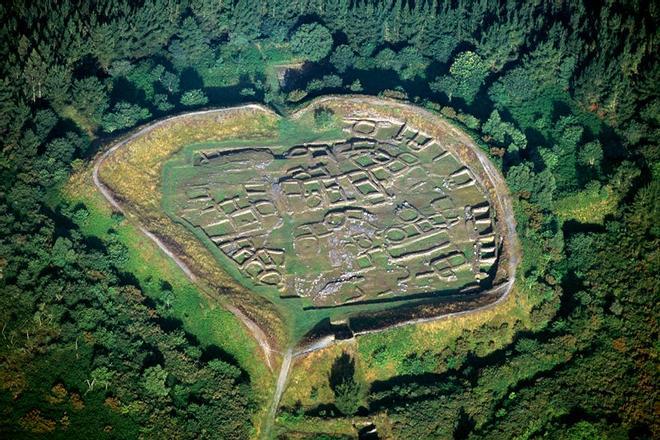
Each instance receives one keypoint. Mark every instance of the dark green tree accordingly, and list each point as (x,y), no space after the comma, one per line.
(191,47)
(343,58)
(124,115)
(89,97)
(311,41)
(348,392)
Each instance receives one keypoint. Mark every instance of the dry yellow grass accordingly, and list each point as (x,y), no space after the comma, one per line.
(589,206)
(435,336)
(133,173)
(313,369)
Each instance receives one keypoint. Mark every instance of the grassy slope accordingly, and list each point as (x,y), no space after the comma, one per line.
(134,173)
(289,133)
(382,356)
(211,324)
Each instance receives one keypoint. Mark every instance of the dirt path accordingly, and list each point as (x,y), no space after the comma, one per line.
(251,326)
(277,396)
(507,217)
(287,360)
(256,331)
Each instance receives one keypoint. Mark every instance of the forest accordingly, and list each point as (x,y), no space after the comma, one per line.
(563,96)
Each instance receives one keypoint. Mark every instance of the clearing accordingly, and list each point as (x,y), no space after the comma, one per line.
(353,215)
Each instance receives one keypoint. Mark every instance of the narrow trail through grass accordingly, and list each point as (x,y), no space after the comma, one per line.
(277,395)
(501,291)
(259,336)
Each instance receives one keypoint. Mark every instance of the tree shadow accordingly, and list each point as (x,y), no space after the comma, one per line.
(342,371)
(87,66)
(464,426)
(124,90)
(165,286)
(191,79)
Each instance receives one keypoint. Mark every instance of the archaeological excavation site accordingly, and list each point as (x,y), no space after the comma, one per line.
(350,216)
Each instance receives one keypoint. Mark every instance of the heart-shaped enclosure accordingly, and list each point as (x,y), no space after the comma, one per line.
(351,206)
(385,213)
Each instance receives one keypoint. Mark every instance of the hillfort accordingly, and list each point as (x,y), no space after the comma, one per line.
(386,213)
(353,210)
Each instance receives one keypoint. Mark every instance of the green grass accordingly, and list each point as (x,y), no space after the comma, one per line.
(211,324)
(591,205)
(290,132)
(81,120)
(248,61)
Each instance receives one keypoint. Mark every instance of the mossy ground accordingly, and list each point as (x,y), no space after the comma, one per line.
(591,205)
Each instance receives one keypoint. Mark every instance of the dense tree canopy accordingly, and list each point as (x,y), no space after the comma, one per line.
(466,75)
(564,96)
(311,42)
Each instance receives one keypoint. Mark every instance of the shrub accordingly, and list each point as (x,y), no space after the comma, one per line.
(194,98)
(323,117)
